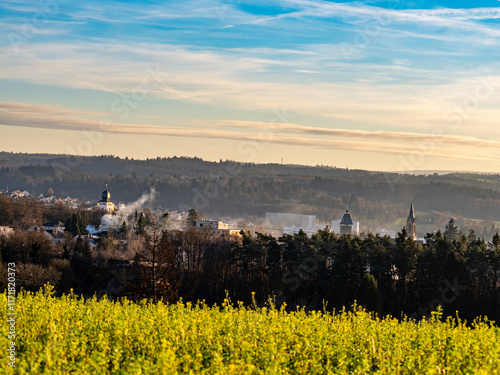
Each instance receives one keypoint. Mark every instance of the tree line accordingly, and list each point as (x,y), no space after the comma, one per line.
(460,272)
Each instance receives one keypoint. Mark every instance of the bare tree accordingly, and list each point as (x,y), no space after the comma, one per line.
(155,265)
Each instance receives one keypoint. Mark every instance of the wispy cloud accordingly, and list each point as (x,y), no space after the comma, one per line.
(386,96)
(44,110)
(357,13)
(50,117)
(322,8)
(382,136)
(252,57)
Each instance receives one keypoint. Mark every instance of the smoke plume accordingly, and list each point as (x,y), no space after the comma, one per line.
(117,219)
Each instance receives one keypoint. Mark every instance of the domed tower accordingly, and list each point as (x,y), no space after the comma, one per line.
(105,203)
(411,223)
(346,224)
(106,195)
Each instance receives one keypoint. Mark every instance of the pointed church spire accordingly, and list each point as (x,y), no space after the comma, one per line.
(411,223)
(411,215)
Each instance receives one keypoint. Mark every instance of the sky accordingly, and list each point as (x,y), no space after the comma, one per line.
(378,85)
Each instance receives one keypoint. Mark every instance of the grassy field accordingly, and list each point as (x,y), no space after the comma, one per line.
(71,335)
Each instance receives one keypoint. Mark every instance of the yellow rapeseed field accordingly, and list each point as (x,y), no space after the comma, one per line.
(71,335)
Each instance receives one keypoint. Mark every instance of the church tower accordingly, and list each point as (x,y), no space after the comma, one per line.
(105,203)
(346,224)
(411,224)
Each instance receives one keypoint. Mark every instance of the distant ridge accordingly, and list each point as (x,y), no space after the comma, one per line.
(441,172)
(248,190)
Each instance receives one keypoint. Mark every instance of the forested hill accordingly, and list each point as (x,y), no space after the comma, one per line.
(247,190)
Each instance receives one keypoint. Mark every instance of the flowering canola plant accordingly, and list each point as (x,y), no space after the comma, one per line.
(69,334)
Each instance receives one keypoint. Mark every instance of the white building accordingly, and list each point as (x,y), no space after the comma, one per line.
(15,194)
(216,226)
(54,227)
(211,224)
(105,203)
(277,220)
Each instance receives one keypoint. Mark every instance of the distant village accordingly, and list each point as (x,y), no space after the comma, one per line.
(276,223)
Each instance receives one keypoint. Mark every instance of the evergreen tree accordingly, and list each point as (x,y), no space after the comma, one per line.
(76,225)
(369,294)
(451,231)
(140,227)
(124,227)
(471,237)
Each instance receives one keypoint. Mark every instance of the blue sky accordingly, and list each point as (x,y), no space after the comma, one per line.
(379,85)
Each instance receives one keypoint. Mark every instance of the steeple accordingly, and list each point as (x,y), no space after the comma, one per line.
(105,203)
(346,224)
(411,224)
(412,211)
(346,219)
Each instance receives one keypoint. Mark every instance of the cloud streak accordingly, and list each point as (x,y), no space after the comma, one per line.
(401,143)
(387,95)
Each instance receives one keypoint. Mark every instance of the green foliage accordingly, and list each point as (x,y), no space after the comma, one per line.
(140,226)
(72,335)
(76,225)
(451,231)
(124,227)
(369,295)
